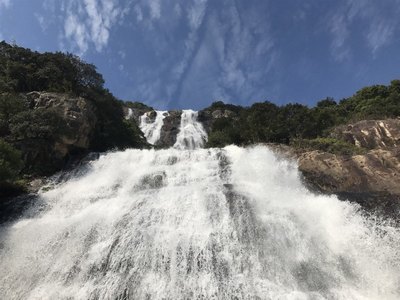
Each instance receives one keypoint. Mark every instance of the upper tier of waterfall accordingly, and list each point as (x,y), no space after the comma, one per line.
(129,114)
(230,223)
(191,133)
(152,129)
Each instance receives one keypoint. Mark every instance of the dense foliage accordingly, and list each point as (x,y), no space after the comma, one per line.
(330,145)
(10,162)
(269,123)
(22,71)
(10,166)
(34,131)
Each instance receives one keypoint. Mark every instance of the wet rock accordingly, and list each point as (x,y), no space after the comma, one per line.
(170,129)
(370,134)
(35,185)
(14,207)
(378,170)
(370,179)
(152,181)
(134,110)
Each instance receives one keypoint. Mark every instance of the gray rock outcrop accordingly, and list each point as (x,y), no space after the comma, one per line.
(370,134)
(170,129)
(77,113)
(371,179)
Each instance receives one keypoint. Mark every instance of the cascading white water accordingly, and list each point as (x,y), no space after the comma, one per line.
(152,129)
(129,114)
(228,223)
(191,134)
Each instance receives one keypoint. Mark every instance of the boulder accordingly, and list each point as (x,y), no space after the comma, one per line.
(376,171)
(370,134)
(371,179)
(170,129)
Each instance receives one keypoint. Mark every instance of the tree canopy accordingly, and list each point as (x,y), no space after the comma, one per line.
(25,128)
(267,122)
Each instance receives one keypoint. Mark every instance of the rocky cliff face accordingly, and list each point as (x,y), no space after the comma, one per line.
(77,113)
(136,112)
(77,119)
(371,179)
(371,134)
(170,129)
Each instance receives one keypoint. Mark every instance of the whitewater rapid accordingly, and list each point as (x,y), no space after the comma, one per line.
(231,223)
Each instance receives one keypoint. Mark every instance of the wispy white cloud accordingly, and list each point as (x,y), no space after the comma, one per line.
(122,54)
(178,9)
(196,17)
(138,12)
(148,12)
(381,19)
(340,32)
(5,3)
(89,22)
(245,42)
(219,51)
(380,34)
(196,13)
(155,8)
(99,23)
(49,5)
(226,62)
(42,21)
(76,32)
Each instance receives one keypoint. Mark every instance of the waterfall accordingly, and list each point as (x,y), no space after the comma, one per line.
(231,223)
(129,114)
(152,129)
(191,134)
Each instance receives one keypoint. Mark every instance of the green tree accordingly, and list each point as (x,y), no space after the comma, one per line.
(10,162)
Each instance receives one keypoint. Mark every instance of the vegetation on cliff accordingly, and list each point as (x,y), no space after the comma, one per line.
(10,166)
(24,127)
(288,124)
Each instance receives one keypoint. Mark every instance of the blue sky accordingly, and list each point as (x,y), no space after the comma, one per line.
(189,53)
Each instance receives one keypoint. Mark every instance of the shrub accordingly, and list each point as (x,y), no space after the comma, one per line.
(328,145)
(218,139)
(38,124)
(10,162)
